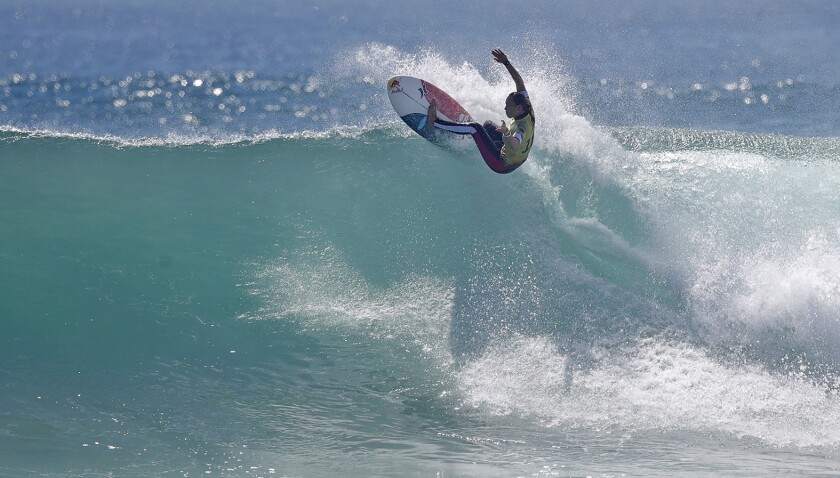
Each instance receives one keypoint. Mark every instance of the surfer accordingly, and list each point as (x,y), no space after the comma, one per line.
(503,148)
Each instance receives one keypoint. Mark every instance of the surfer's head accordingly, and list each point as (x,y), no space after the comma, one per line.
(517,105)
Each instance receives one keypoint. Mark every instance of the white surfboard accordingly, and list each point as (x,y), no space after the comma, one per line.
(410,98)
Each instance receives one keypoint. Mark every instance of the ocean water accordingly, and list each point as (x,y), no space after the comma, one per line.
(223,254)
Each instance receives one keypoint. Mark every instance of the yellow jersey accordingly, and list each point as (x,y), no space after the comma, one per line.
(523,129)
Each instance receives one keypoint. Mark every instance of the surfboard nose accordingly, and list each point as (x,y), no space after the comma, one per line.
(394,85)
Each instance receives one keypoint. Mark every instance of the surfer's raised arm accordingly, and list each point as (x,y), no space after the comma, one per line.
(500,57)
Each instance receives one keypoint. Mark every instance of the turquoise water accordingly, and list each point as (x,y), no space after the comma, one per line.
(223,254)
(234,309)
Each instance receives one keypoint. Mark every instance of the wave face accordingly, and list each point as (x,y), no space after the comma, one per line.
(301,297)
(222,253)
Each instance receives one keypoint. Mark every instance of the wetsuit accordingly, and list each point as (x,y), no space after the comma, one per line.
(489,141)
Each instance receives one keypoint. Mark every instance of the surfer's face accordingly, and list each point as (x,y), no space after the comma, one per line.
(512,110)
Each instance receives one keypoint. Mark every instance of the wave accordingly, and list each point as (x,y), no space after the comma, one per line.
(640,278)
(645,284)
(665,217)
(653,140)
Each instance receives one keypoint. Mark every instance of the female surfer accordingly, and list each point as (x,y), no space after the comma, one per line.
(503,148)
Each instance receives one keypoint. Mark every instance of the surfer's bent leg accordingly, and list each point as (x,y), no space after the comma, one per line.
(490,149)
(495,136)
(489,142)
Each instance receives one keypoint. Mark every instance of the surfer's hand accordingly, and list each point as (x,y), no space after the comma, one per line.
(503,128)
(431,114)
(500,56)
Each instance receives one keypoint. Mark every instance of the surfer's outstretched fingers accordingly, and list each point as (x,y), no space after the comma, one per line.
(499,56)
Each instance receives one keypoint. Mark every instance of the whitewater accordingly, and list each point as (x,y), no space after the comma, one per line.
(238,261)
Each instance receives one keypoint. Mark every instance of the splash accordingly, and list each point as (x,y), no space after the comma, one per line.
(317,285)
(654,384)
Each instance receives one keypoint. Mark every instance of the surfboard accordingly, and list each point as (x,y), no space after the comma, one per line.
(410,98)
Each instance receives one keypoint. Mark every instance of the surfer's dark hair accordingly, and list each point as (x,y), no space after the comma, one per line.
(523,101)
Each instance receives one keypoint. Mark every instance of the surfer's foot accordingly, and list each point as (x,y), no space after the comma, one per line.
(431,115)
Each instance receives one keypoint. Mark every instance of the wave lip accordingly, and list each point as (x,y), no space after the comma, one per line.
(13,133)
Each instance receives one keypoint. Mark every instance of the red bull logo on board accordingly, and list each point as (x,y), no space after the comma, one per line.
(394,86)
